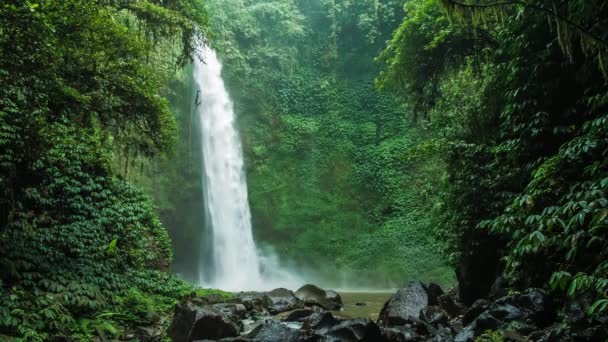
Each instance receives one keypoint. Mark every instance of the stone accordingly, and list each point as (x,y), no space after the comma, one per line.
(298,315)
(273,331)
(253,301)
(506,312)
(313,295)
(281,300)
(434,291)
(404,305)
(194,322)
(235,312)
(450,306)
(319,321)
(475,310)
(484,322)
(443,334)
(539,307)
(354,330)
(434,315)
(466,335)
(392,335)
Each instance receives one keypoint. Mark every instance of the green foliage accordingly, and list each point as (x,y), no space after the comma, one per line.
(490,336)
(200,292)
(76,89)
(327,154)
(521,120)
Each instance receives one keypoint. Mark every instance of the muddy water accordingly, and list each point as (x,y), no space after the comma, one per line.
(373,302)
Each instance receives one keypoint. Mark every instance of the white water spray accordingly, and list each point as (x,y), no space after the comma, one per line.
(236,263)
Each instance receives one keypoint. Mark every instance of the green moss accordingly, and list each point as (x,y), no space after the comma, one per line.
(201,292)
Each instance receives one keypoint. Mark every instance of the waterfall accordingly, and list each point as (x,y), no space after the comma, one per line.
(236,265)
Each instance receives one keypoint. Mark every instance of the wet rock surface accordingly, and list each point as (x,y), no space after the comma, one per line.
(404,305)
(417,312)
(281,300)
(313,295)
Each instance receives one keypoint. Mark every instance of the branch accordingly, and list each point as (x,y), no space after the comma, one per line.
(566,20)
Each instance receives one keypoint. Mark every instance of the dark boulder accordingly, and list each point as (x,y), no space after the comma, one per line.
(298,315)
(434,315)
(484,322)
(235,312)
(404,305)
(194,322)
(273,331)
(466,335)
(281,300)
(398,335)
(253,301)
(450,306)
(506,312)
(538,306)
(443,334)
(475,310)
(313,295)
(434,291)
(319,321)
(354,330)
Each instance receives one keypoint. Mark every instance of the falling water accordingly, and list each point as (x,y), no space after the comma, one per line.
(236,264)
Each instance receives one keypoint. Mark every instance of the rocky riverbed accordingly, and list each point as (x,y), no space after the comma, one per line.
(417,312)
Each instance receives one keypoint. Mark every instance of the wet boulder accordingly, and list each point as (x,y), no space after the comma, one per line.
(506,312)
(452,307)
(234,311)
(466,335)
(281,300)
(319,321)
(398,335)
(434,315)
(273,331)
(482,323)
(298,315)
(404,305)
(313,295)
(353,330)
(434,291)
(194,322)
(443,334)
(539,307)
(475,310)
(486,321)
(253,301)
